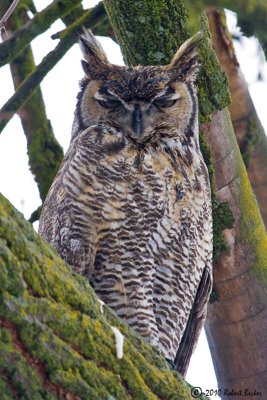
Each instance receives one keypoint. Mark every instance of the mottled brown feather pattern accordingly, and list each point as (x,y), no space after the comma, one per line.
(132,211)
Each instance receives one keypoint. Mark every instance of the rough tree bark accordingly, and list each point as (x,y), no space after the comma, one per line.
(249,131)
(237,320)
(251,16)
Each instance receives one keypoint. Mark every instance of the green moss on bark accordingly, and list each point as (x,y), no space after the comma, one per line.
(222,219)
(213,91)
(144,31)
(254,134)
(252,230)
(26,382)
(5,392)
(53,334)
(221,213)
(250,225)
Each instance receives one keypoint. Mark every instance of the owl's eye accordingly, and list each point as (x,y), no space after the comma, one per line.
(109,103)
(164,102)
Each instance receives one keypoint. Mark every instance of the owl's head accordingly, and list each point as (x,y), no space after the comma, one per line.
(143,102)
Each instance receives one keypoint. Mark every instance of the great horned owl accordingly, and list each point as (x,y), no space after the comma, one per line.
(130,206)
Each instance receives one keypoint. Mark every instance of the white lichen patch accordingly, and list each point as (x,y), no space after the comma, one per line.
(101,305)
(119,339)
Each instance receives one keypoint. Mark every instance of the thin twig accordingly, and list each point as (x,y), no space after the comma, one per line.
(7,15)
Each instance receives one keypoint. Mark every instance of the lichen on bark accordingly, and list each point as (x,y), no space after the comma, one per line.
(221,213)
(212,82)
(144,31)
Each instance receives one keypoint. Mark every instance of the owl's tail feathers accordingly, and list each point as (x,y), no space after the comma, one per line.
(195,323)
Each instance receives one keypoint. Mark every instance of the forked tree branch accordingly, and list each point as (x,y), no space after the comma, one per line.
(16,43)
(29,85)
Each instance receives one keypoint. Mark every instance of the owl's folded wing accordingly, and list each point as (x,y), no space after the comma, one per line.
(65,220)
(195,322)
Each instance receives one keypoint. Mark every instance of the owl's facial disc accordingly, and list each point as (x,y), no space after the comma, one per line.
(137,115)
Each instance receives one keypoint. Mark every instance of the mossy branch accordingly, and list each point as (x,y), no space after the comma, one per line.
(144,31)
(20,39)
(45,153)
(29,85)
(54,341)
(102,26)
(251,16)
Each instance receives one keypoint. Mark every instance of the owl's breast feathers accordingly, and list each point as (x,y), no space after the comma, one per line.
(137,222)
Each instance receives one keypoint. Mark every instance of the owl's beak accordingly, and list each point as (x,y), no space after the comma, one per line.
(137,120)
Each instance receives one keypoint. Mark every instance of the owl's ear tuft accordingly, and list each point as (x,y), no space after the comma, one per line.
(95,64)
(184,64)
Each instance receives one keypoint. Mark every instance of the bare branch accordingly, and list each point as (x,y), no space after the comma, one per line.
(29,85)
(17,42)
(7,15)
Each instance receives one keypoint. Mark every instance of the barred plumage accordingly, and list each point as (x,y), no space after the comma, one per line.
(130,207)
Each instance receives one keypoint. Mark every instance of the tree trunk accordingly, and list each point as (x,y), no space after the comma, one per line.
(251,16)
(237,320)
(54,341)
(250,134)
